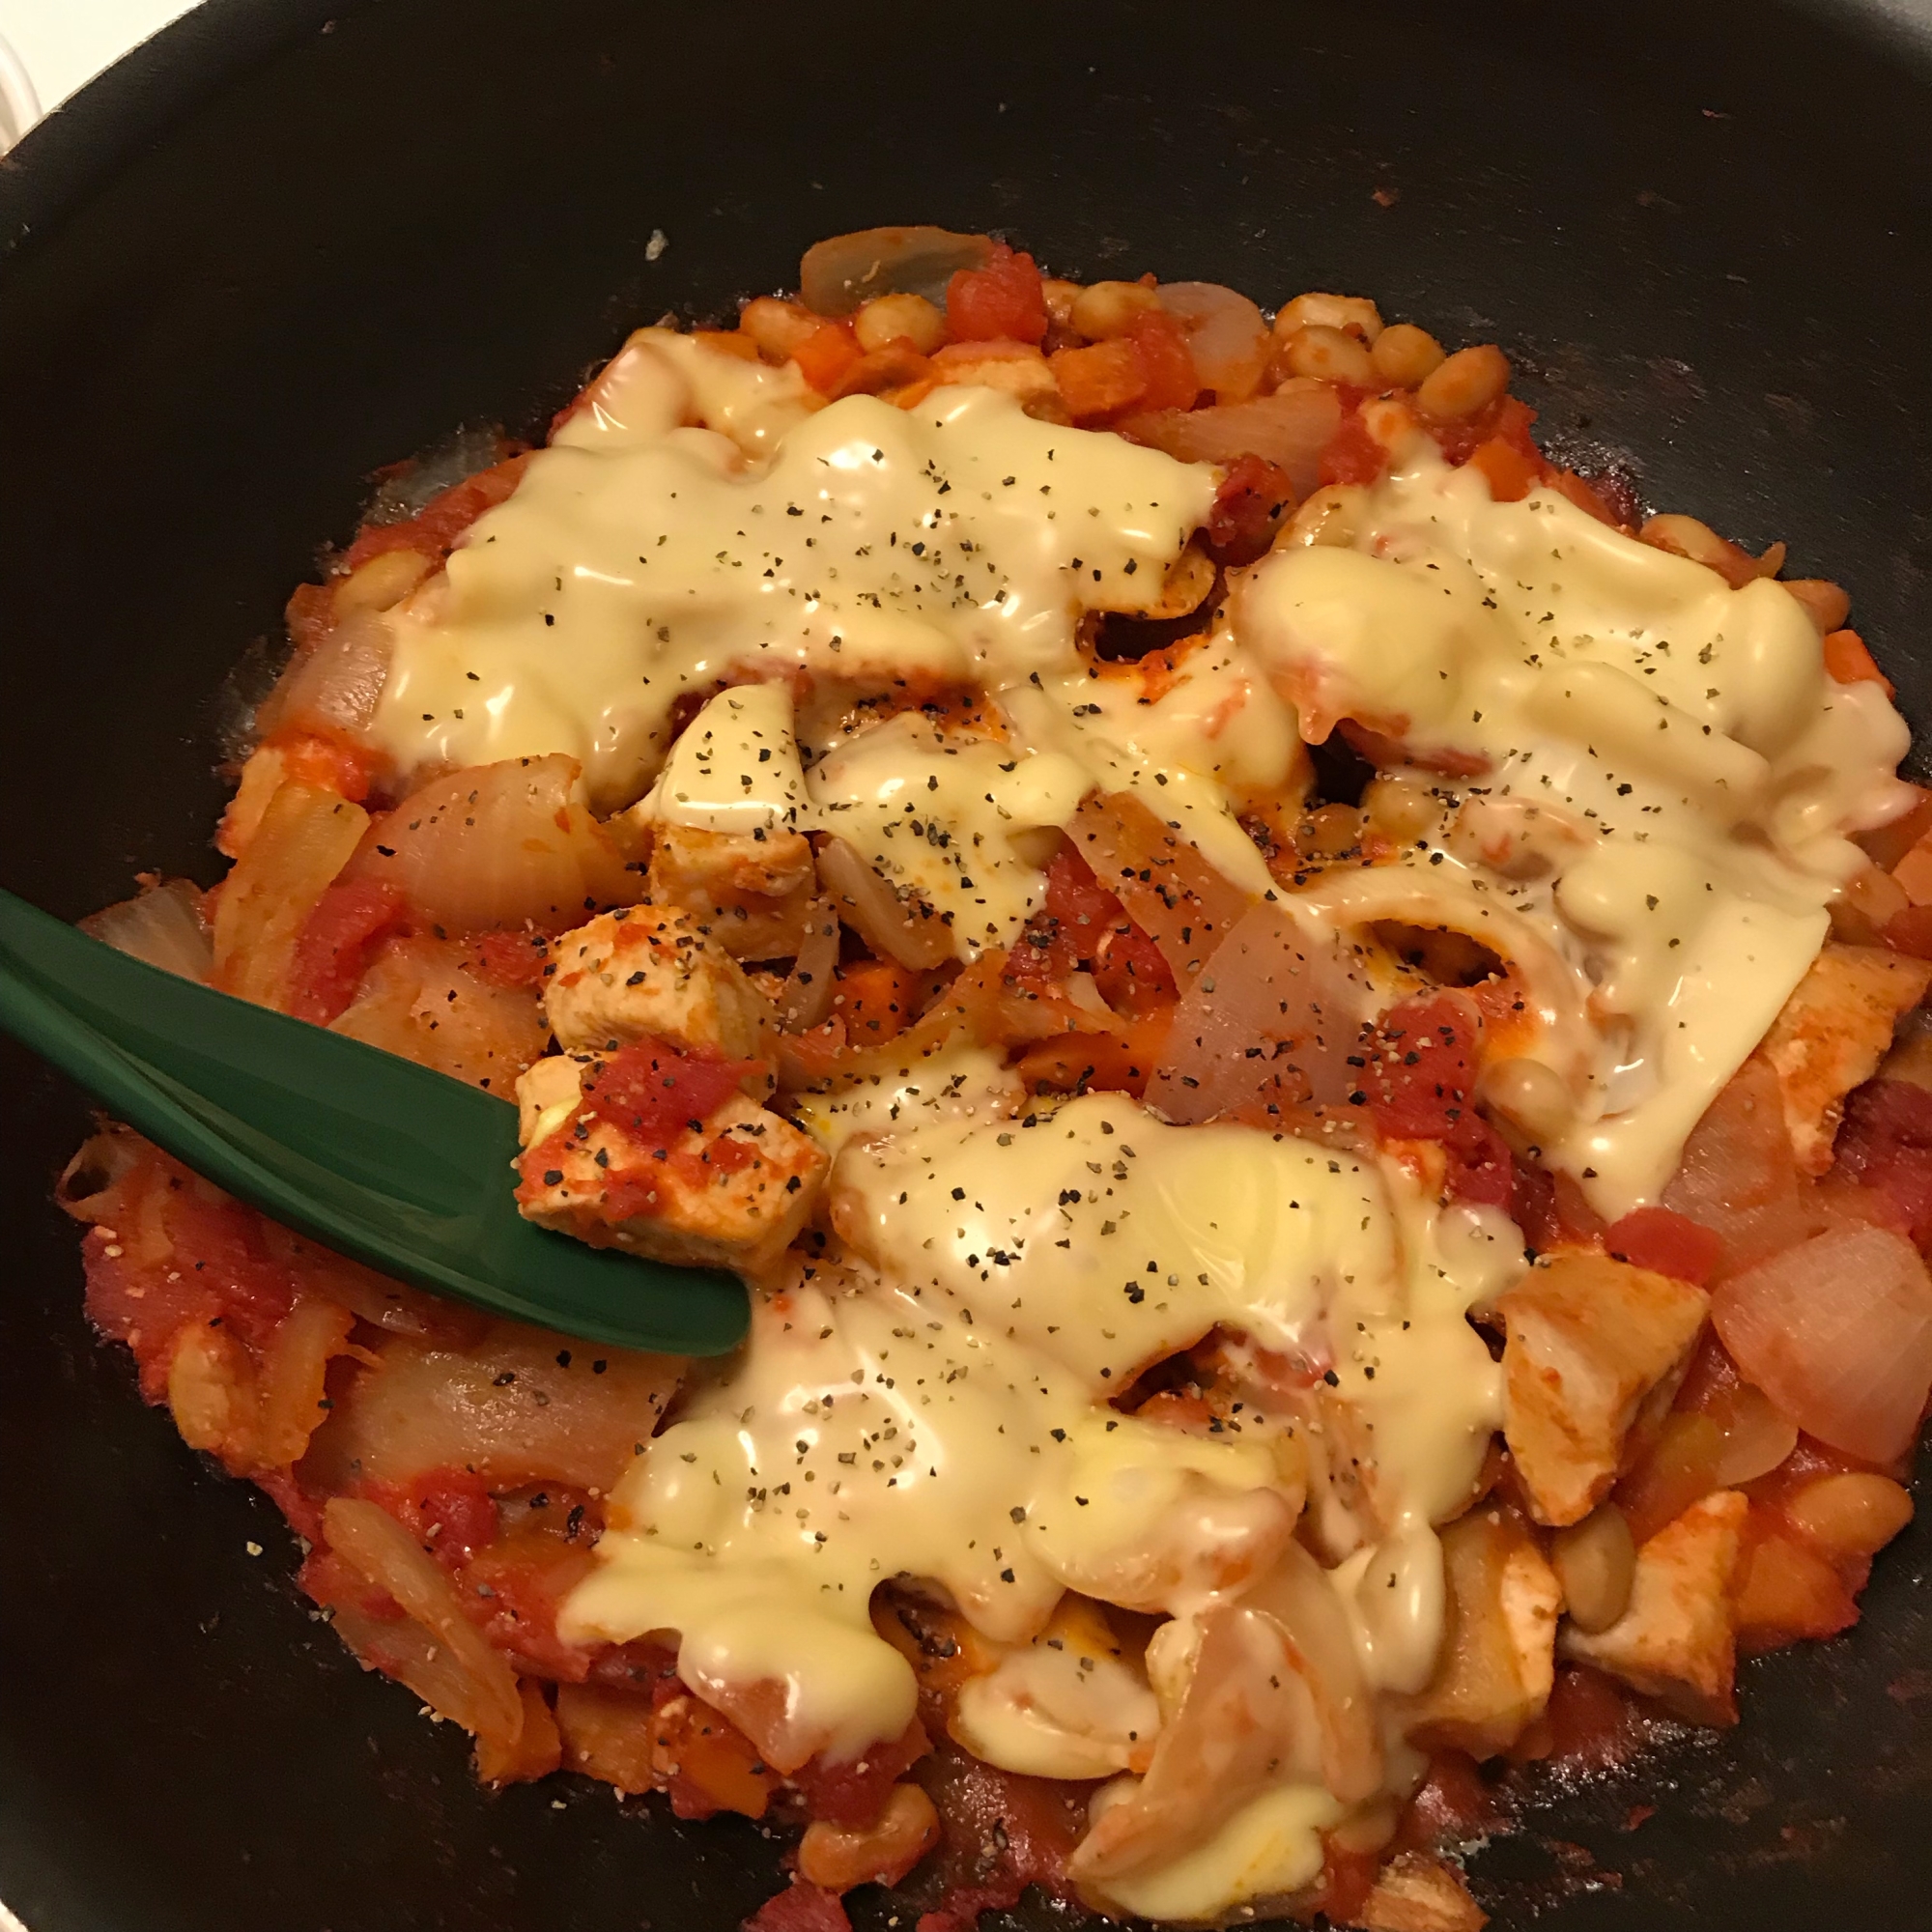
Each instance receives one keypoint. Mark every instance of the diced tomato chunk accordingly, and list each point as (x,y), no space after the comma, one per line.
(855,1792)
(1506,420)
(451,1511)
(1351,454)
(1910,931)
(1886,1143)
(1253,498)
(513,959)
(650,1091)
(800,1908)
(1003,301)
(333,953)
(1166,362)
(1421,1085)
(1666,1243)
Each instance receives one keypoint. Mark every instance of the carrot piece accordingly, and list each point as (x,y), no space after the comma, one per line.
(826,355)
(1584,493)
(1509,474)
(1101,379)
(1848,661)
(877,999)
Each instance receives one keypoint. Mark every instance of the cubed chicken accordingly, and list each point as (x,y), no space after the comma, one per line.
(1676,1640)
(732,1188)
(649,972)
(1498,1663)
(751,891)
(1590,1341)
(1832,1033)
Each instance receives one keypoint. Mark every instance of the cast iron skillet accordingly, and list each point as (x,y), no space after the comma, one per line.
(293,239)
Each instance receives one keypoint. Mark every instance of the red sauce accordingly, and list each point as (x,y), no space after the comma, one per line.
(1001,302)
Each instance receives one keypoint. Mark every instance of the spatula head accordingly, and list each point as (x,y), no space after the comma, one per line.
(382,1160)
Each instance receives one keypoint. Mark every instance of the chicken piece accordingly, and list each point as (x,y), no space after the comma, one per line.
(1832,1035)
(1676,1641)
(1497,1664)
(649,970)
(751,891)
(1415,1892)
(1590,1340)
(733,1191)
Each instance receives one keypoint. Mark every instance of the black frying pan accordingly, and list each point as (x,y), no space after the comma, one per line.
(293,240)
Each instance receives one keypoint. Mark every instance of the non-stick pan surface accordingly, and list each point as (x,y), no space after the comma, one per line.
(292,241)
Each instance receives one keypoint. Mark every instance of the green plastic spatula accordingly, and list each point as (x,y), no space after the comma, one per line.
(376,1158)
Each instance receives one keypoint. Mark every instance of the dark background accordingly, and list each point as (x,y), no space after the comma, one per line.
(287,242)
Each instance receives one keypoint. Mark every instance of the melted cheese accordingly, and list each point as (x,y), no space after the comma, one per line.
(1270,1849)
(642,558)
(1657,783)
(955,818)
(734,767)
(945,1418)
(1681,736)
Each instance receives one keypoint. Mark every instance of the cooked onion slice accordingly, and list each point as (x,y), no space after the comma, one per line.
(839,274)
(162,926)
(904,929)
(1837,1332)
(1226,334)
(1290,428)
(333,684)
(1275,1012)
(1170,891)
(444,1657)
(497,846)
(1557,996)
(806,998)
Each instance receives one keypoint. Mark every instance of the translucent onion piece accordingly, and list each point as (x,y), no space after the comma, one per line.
(335,684)
(1298,1595)
(1226,333)
(1837,1332)
(308,835)
(1276,1693)
(162,926)
(1556,995)
(1757,1436)
(1290,428)
(1243,1711)
(837,275)
(806,997)
(291,1385)
(1170,891)
(1273,1014)
(457,1673)
(422,1002)
(519,1406)
(902,928)
(500,845)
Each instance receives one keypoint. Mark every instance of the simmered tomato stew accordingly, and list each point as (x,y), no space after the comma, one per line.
(1305,1027)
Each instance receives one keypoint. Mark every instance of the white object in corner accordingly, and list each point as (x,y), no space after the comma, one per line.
(20,105)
